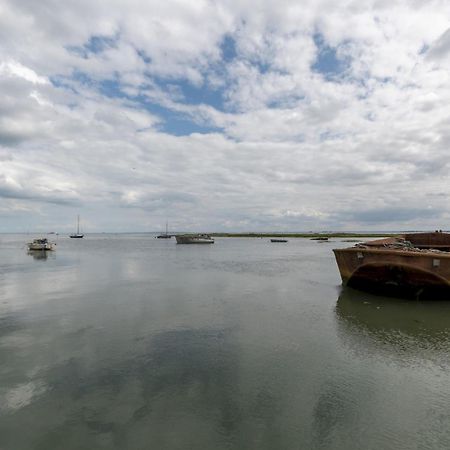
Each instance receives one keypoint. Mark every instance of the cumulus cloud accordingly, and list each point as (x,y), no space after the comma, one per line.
(13,68)
(225,115)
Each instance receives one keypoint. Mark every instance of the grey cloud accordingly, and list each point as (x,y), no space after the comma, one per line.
(441,47)
(345,175)
(160,201)
(9,139)
(56,198)
(386,215)
(5,155)
(431,167)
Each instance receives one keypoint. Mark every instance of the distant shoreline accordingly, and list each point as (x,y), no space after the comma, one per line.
(305,235)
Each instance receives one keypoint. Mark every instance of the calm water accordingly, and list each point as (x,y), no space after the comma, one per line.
(129,342)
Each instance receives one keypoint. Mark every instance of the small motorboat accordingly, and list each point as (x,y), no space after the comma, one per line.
(278,240)
(41,244)
(194,239)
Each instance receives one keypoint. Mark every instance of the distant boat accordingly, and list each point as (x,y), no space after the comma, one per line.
(322,238)
(194,239)
(278,240)
(166,235)
(41,244)
(77,235)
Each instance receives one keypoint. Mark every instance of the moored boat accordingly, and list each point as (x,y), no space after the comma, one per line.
(166,235)
(41,244)
(194,239)
(278,240)
(416,264)
(77,235)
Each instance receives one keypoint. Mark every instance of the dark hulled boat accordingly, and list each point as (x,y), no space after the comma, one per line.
(77,235)
(166,235)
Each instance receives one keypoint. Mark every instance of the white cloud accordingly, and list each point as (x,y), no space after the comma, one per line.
(13,68)
(95,128)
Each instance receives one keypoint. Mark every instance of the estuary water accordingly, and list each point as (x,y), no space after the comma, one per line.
(130,342)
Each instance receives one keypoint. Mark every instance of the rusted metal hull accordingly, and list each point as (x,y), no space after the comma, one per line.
(378,267)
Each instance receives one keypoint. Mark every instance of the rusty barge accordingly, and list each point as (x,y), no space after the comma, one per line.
(412,265)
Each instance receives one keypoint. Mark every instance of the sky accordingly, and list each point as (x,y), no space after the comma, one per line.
(224,115)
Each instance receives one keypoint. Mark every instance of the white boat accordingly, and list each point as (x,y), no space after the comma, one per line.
(77,235)
(194,239)
(40,244)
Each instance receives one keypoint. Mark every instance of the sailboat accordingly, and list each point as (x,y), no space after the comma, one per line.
(77,235)
(166,235)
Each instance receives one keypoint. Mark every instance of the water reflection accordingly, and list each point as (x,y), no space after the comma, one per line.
(389,323)
(128,343)
(178,379)
(41,255)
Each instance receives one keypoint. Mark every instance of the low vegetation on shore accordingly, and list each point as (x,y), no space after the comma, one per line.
(305,235)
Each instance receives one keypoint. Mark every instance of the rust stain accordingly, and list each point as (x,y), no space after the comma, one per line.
(408,265)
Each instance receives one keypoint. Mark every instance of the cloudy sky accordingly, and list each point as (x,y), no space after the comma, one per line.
(224,115)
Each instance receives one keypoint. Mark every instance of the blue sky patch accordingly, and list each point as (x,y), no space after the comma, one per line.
(178,125)
(95,44)
(172,122)
(190,94)
(228,49)
(203,94)
(111,88)
(328,63)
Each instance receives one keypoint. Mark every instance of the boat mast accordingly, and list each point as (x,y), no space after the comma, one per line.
(78,224)
(167,225)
